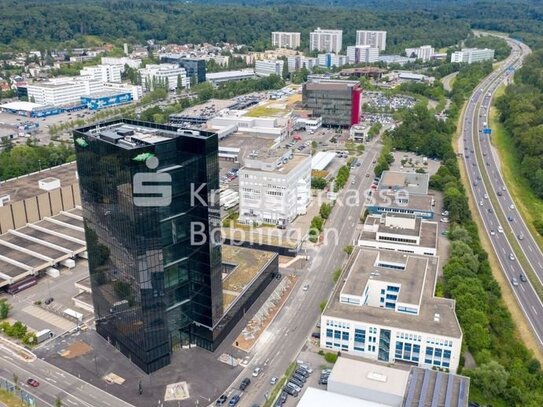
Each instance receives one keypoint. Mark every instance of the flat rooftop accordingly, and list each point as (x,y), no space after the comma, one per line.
(412,182)
(131,134)
(417,281)
(27,186)
(427,231)
(246,265)
(392,200)
(330,86)
(314,397)
(372,375)
(284,168)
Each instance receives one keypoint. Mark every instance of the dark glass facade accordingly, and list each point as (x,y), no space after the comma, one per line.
(154,289)
(196,68)
(337,102)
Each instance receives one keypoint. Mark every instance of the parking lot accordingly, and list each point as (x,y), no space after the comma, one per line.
(36,317)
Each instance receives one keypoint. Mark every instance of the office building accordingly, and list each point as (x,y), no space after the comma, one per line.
(472,55)
(230,76)
(362,54)
(103,73)
(149,194)
(412,183)
(285,39)
(269,67)
(326,40)
(403,233)
(337,102)
(274,190)
(194,67)
(426,52)
(375,39)
(297,62)
(134,63)
(168,76)
(330,60)
(395,59)
(385,310)
(375,384)
(135,90)
(400,202)
(63,91)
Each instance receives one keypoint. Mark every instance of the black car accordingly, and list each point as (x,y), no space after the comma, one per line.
(283,397)
(221,400)
(302,372)
(291,391)
(244,383)
(297,382)
(299,377)
(48,300)
(522,278)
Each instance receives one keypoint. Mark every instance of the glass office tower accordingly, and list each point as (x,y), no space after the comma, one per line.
(152,229)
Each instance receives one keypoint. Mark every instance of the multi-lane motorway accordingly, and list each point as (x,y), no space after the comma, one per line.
(500,217)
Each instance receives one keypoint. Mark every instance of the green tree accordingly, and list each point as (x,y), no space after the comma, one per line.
(348,249)
(318,183)
(325,210)
(491,378)
(4,309)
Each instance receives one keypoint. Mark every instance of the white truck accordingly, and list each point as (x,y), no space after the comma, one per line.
(43,335)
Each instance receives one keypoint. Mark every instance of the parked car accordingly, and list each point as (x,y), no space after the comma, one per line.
(221,400)
(299,377)
(234,400)
(291,390)
(48,300)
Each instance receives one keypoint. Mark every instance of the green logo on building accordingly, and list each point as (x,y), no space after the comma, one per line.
(81,142)
(143,157)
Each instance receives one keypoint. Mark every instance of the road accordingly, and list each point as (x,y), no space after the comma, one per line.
(54,383)
(488,188)
(289,332)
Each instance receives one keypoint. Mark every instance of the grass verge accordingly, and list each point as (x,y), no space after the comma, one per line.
(9,399)
(279,386)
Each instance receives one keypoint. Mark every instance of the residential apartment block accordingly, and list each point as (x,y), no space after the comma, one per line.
(362,54)
(375,39)
(274,190)
(326,40)
(282,39)
(385,309)
(472,55)
(134,63)
(331,59)
(297,62)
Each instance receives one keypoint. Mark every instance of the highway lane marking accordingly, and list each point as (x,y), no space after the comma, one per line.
(71,402)
(535,312)
(530,248)
(7,357)
(51,380)
(523,289)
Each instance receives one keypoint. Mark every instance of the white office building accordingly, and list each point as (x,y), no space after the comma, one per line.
(402,233)
(135,90)
(384,309)
(274,190)
(326,40)
(269,67)
(375,39)
(362,54)
(472,55)
(153,75)
(63,91)
(282,39)
(297,62)
(426,52)
(134,63)
(330,60)
(103,73)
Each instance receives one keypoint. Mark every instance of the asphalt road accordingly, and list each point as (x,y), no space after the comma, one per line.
(481,163)
(289,332)
(54,383)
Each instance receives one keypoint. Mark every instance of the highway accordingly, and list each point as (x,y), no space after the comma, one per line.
(286,336)
(501,221)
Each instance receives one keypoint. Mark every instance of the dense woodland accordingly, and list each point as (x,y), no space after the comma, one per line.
(45,24)
(521,109)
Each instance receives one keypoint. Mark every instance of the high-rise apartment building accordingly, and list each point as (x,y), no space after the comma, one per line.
(375,39)
(326,40)
(282,39)
(362,54)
